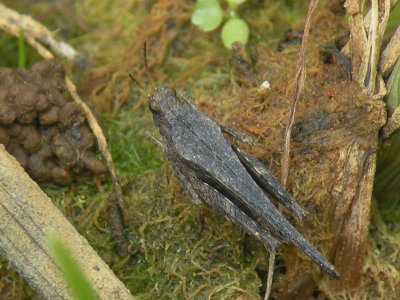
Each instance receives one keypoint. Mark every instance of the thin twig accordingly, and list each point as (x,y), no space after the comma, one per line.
(102,142)
(373,44)
(271,265)
(300,78)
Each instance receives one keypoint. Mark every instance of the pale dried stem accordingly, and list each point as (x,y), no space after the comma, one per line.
(102,142)
(358,42)
(379,18)
(373,45)
(271,265)
(358,50)
(390,55)
(366,35)
(346,49)
(299,84)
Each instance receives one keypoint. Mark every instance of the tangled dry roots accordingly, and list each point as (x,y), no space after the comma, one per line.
(48,135)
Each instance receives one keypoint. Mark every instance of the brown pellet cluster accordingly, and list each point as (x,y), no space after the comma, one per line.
(47,134)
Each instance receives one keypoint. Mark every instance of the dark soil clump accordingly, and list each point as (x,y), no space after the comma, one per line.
(48,135)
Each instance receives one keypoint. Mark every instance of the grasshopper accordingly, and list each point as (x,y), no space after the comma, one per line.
(214,171)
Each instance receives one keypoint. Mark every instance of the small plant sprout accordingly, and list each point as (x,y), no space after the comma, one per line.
(208,15)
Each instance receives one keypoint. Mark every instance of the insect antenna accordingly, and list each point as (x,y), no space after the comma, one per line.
(139,85)
(146,65)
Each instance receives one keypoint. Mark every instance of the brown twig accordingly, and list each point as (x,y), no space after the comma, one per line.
(300,78)
(373,46)
(271,264)
(102,142)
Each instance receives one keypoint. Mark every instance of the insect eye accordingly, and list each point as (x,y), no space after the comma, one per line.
(154,106)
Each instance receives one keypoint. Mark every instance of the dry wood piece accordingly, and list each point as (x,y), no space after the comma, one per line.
(28,217)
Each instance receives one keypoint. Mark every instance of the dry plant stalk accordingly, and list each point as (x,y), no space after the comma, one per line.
(390,55)
(353,190)
(299,84)
(28,218)
(12,22)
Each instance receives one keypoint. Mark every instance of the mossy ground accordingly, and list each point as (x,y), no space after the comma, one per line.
(178,251)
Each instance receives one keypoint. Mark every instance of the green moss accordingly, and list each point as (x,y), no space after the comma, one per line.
(132,151)
(184,252)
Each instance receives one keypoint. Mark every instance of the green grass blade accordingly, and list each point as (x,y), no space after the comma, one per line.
(393,86)
(73,275)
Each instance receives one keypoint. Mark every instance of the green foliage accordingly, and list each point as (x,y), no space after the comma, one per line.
(208,16)
(235,30)
(387,178)
(233,4)
(394,88)
(21,50)
(73,275)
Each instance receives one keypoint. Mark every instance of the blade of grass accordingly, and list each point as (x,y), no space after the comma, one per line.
(73,275)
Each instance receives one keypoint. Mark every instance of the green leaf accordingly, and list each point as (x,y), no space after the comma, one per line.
(394,88)
(235,30)
(207,15)
(233,4)
(73,275)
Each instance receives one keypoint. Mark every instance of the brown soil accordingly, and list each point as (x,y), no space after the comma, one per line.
(47,134)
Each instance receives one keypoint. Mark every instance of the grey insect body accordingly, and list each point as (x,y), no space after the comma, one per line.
(218,173)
